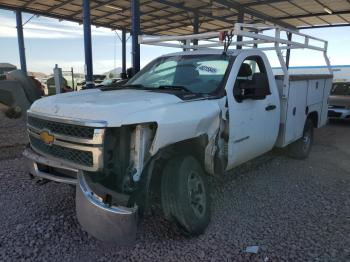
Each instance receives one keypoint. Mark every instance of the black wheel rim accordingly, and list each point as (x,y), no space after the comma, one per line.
(197,194)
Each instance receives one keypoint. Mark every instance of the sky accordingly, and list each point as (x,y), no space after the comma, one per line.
(49,42)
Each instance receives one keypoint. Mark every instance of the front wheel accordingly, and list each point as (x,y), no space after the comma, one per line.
(301,148)
(184,194)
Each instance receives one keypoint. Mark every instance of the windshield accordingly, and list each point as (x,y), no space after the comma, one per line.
(201,74)
(342,89)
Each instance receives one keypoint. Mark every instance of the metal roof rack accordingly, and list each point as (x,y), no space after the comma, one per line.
(268,35)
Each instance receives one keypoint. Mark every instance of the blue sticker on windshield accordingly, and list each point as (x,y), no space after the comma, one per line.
(208,69)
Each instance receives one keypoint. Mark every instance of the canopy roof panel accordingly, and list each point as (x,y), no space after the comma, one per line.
(174,17)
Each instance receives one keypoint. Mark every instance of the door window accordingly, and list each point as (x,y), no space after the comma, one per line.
(251,81)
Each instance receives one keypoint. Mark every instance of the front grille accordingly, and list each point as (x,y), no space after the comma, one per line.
(62,128)
(74,156)
(333,114)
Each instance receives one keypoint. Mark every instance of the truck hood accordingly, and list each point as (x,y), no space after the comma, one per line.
(343,101)
(115,107)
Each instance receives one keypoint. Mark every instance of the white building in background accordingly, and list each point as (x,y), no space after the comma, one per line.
(341,72)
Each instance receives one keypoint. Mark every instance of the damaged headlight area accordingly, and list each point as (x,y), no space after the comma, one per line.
(126,150)
(106,200)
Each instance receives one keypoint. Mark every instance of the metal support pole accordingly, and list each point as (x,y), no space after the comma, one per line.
(195,28)
(72,72)
(87,45)
(135,20)
(289,37)
(123,51)
(22,53)
(240,19)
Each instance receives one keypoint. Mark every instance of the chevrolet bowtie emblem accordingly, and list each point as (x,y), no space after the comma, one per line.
(46,137)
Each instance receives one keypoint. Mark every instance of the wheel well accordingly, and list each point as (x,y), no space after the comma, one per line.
(193,146)
(149,189)
(314,118)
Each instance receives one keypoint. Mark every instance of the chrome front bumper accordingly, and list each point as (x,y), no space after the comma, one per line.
(116,224)
(34,159)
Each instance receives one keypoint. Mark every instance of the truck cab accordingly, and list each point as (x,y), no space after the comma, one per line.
(183,117)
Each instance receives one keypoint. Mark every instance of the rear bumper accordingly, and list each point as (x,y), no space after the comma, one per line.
(338,113)
(34,160)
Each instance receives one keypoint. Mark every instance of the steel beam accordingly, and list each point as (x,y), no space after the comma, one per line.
(22,53)
(58,5)
(192,10)
(195,27)
(289,37)
(264,2)
(123,51)
(135,21)
(240,19)
(240,8)
(87,45)
(321,26)
(44,13)
(314,15)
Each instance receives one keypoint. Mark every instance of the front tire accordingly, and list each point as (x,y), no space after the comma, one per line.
(184,194)
(301,148)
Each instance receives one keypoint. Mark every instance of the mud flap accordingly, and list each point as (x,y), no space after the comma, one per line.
(107,223)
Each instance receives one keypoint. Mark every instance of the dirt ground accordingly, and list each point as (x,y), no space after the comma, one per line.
(292,210)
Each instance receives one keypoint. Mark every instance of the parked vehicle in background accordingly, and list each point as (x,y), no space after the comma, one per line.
(184,116)
(339,101)
(98,79)
(109,82)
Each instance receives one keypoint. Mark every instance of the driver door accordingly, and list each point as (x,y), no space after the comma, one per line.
(252,113)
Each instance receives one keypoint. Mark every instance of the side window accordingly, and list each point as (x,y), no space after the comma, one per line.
(251,81)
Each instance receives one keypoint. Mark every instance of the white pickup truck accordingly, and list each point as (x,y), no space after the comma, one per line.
(182,117)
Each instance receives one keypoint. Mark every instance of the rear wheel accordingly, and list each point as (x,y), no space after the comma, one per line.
(301,148)
(185,195)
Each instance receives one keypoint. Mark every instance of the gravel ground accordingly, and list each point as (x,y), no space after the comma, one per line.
(293,210)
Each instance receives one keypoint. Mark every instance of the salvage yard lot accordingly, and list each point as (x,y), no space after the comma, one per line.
(292,210)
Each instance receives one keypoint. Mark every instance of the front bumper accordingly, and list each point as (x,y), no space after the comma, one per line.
(339,113)
(116,224)
(55,170)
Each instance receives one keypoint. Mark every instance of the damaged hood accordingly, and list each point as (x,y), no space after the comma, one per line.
(116,107)
(177,120)
(110,106)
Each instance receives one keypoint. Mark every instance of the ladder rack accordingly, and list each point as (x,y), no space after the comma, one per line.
(255,34)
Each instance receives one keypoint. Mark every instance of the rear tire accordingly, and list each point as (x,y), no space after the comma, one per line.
(301,148)
(184,194)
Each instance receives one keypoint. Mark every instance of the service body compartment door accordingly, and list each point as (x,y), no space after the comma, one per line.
(315,91)
(296,114)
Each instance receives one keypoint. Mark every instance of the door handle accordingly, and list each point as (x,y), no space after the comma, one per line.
(270,107)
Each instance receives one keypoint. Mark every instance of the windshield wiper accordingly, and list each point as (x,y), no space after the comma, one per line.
(133,85)
(117,86)
(182,88)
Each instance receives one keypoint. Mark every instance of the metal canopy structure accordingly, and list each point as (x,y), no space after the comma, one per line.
(176,17)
